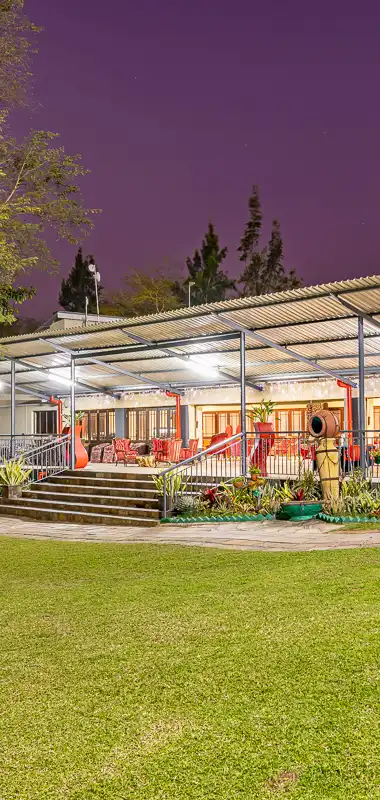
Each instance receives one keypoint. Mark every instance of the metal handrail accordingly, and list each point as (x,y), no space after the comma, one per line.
(48,445)
(236,437)
(47,459)
(218,448)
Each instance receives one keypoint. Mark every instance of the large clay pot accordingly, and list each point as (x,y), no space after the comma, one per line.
(323,425)
(81,456)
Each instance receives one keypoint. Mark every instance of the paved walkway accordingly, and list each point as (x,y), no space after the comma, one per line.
(268,536)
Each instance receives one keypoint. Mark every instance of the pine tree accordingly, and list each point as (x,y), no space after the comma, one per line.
(79,285)
(253,258)
(264,271)
(211,283)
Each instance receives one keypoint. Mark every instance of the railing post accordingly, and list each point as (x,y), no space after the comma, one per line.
(13,407)
(299,452)
(362,417)
(164,506)
(72,450)
(243,406)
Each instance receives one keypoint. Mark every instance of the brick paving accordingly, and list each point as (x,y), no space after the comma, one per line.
(267,536)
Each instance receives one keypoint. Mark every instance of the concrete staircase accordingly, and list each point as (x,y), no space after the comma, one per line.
(102,498)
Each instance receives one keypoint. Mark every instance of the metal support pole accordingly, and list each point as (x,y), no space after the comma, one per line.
(13,407)
(362,417)
(96,294)
(72,451)
(243,406)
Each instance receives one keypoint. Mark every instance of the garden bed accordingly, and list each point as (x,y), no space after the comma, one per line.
(215,518)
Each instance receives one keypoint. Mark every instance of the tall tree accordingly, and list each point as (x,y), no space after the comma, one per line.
(251,255)
(141,294)
(263,268)
(79,285)
(210,281)
(38,181)
(16,48)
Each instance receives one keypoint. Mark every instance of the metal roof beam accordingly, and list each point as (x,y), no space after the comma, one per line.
(357,311)
(24,390)
(187,359)
(111,367)
(82,385)
(283,349)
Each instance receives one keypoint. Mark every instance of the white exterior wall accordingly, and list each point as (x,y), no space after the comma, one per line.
(284,394)
(24,416)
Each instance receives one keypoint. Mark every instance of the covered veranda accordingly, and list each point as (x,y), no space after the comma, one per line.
(301,335)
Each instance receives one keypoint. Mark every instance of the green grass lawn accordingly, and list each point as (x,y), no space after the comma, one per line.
(170,673)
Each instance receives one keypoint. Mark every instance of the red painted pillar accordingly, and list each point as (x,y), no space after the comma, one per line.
(177,413)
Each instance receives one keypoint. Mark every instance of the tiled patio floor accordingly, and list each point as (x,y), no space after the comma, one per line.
(267,536)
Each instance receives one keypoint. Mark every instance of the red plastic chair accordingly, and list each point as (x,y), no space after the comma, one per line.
(161,452)
(171,452)
(174,450)
(190,451)
(216,439)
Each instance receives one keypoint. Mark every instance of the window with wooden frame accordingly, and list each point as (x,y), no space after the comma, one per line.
(98,425)
(289,420)
(45,422)
(376,418)
(214,422)
(145,424)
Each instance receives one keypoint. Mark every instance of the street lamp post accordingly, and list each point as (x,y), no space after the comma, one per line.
(191,283)
(96,274)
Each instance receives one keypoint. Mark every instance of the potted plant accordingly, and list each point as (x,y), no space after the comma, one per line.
(255,477)
(239,482)
(81,455)
(302,500)
(260,415)
(174,486)
(376,455)
(13,476)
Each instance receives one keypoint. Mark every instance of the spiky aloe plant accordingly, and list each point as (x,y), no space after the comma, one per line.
(14,473)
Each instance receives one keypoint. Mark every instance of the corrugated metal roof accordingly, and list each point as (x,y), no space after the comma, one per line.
(310,322)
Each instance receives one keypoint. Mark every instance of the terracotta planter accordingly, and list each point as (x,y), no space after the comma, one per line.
(238,483)
(11,492)
(266,441)
(81,455)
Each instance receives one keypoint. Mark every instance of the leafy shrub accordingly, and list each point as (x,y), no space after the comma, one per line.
(14,473)
(358,498)
(188,504)
(174,484)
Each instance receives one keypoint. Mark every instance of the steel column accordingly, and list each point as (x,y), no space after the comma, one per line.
(72,451)
(13,407)
(362,415)
(243,405)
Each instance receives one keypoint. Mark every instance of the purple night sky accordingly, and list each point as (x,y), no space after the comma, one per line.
(179,106)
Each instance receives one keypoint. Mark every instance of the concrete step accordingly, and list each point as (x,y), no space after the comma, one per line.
(66,487)
(120,510)
(115,474)
(86,480)
(76,517)
(95,499)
